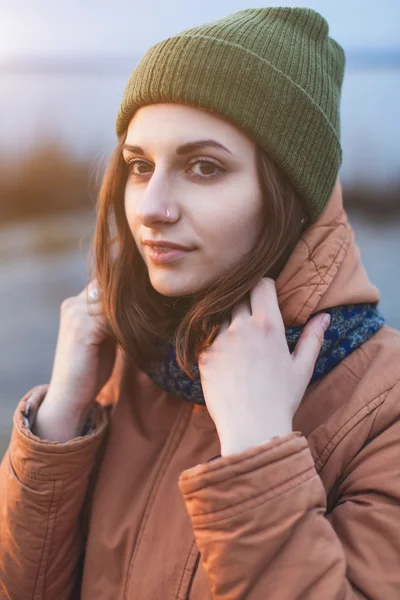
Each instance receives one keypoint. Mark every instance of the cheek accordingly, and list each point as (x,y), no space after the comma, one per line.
(130,203)
(231,233)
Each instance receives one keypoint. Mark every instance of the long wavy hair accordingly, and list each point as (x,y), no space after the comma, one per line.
(139,318)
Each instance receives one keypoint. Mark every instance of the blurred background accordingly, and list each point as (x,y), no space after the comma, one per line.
(63,69)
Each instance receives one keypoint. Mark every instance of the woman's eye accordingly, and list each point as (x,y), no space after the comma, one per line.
(137,163)
(206,169)
(201,169)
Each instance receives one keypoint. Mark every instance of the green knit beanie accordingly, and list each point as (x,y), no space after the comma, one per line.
(274,72)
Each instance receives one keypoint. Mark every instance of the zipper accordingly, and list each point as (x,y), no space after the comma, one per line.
(196,565)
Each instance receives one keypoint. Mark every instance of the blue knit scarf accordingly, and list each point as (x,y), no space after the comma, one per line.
(351,325)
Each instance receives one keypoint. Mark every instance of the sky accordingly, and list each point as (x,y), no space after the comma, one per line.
(55,29)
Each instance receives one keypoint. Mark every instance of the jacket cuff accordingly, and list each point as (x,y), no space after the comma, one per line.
(33,403)
(229,484)
(45,459)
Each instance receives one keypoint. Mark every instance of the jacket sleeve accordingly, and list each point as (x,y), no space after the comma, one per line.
(42,490)
(260,522)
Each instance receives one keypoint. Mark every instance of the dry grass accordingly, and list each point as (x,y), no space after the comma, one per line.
(46,180)
(377,201)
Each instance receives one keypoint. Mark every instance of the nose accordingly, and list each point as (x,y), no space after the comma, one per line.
(155,205)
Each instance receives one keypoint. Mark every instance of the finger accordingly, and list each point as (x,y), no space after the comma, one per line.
(224,326)
(241,309)
(264,303)
(94,295)
(309,344)
(93,283)
(94,308)
(92,292)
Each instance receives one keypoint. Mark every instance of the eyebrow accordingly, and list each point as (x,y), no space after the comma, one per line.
(183,148)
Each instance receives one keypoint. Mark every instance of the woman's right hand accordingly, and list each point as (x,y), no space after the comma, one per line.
(83,362)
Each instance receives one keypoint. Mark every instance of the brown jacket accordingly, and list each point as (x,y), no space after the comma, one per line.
(135,511)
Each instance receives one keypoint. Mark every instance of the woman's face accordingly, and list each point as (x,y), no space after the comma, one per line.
(212,194)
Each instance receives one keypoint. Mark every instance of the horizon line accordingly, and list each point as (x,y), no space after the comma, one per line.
(115,64)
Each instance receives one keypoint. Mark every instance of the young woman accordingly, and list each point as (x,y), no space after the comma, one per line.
(223,416)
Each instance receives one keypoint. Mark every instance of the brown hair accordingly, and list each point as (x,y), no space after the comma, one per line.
(139,317)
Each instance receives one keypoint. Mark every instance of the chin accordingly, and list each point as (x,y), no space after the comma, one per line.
(172,285)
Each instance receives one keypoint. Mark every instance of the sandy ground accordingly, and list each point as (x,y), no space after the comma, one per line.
(44,262)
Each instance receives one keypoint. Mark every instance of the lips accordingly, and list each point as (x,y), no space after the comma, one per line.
(169,255)
(165,245)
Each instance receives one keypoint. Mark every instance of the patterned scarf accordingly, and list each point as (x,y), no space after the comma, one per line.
(351,325)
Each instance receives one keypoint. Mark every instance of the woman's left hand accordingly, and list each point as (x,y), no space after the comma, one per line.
(252,384)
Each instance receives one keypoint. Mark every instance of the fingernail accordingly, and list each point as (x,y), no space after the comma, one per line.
(325,321)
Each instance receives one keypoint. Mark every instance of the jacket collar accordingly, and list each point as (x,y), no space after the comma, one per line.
(325,268)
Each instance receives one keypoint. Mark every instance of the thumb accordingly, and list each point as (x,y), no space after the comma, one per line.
(309,344)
